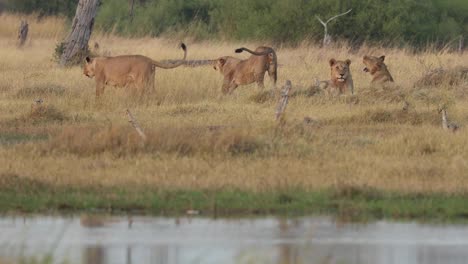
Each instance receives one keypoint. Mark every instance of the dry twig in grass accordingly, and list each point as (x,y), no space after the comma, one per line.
(283,102)
(446,125)
(134,123)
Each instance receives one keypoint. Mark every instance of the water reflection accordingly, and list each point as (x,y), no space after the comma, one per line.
(104,239)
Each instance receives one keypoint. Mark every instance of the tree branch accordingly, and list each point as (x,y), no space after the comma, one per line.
(330,19)
(321,21)
(134,123)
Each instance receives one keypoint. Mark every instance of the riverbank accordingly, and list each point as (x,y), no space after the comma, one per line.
(345,202)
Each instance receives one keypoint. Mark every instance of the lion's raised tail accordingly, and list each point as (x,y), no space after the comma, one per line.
(273,68)
(166,65)
(191,63)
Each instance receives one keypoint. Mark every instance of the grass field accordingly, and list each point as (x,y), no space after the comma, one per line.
(205,143)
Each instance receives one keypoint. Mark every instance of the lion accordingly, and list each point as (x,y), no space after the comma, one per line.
(242,72)
(125,71)
(377,68)
(341,78)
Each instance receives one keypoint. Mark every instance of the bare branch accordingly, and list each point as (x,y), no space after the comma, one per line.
(321,21)
(342,14)
(283,101)
(134,123)
(326,36)
(23,32)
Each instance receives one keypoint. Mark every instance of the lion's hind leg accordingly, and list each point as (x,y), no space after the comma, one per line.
(228,86)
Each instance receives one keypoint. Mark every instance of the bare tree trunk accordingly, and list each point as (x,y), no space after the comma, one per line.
(132,5)
(283,101)
(134,122)
(460,45)
(76,44)
(23,33)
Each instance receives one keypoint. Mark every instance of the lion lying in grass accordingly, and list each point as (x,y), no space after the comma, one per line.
(242,72)
(134,71)
(341,78)
(377,68)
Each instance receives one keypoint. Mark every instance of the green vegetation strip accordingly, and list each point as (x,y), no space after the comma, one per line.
(348,202)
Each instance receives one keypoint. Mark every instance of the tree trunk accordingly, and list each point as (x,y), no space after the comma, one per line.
(283,101)
(23,33)
(460,45)
(132,6)
(76,44)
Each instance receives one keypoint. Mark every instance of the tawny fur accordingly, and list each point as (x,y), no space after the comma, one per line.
(135,71)
(377,68)
(242,72)
(340,79)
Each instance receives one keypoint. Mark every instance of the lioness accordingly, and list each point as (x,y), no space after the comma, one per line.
(377,68)
(341,78)
(242,72)
(125,71)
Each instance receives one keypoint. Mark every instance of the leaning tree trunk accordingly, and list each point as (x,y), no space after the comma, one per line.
(76,44)
(23,33)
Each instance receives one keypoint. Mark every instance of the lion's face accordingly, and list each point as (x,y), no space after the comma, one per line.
(373,64)
(89,66)
(340,70)
(219,64)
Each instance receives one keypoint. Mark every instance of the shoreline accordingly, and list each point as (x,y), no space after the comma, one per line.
(346,203)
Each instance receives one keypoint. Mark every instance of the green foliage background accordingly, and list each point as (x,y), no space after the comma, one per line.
(393,22)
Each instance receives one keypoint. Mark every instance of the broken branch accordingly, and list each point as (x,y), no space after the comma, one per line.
(134,123)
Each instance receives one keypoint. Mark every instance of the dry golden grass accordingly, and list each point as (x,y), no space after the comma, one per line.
(201,139)
(39,28)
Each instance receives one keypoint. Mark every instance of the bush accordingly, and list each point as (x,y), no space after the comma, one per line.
(397,22)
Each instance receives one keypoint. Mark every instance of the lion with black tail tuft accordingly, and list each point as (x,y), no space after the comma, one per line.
(242,72)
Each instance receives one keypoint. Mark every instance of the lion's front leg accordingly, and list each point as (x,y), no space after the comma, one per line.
(100,85)
(351,85)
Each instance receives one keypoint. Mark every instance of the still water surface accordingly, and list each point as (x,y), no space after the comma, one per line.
(139,240)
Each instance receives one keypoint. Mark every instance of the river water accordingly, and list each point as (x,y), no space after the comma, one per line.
(139,240)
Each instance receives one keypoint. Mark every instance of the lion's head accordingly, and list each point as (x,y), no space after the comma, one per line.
(89,66)
(373,64)
(219,64)
(377,68)
(340,70)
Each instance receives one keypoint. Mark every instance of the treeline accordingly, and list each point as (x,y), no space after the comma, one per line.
(395,22)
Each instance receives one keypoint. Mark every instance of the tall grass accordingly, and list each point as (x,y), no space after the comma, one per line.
(199,139)
(39,28)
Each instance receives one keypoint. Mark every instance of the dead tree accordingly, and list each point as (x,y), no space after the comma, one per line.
(23,32)
(76,44)
(326,36)
(283,101)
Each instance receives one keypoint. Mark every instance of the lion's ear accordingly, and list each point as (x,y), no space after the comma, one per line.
(332,62)
(382,58)
(348,61)
(88,59)
(222,61)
